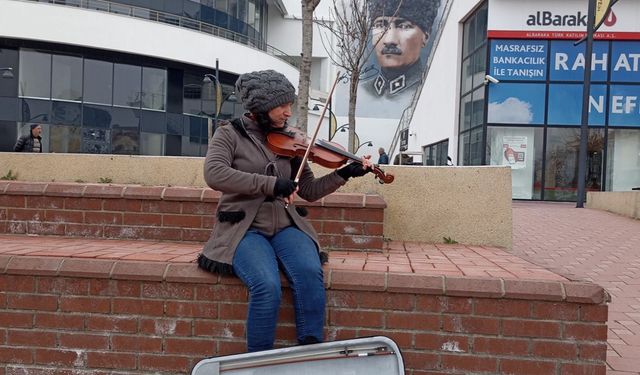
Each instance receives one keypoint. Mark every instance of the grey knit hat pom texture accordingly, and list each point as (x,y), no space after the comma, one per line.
(264,90)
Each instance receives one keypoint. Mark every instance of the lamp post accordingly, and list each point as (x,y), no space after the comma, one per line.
(7,72)
(208,78)
(332,118)
(367,143)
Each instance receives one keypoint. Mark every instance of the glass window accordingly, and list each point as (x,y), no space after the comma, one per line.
(624,107)
(9,58)
(125,141)
(154,122)
(8,109)
(95,116)
(624,61)
(126,85)
(173,145)
(33,110)
(154,88)
(96,141)
(565,104)
(151,144)
(98,82)
(66,78)
(466,76)
(515,103)
(469,36)
(475,147)
(125,118)
(567,61)
(65,139)
(35,74)
(623,159)
(520,149)
(479,66)
(192,93)
(561,173)
(477,117)
(66,113)
(465,112)
(174,123)
(9,131)
(463,149)
(221,5)
(481,25)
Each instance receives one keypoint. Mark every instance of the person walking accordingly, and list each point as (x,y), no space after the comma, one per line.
(31,142)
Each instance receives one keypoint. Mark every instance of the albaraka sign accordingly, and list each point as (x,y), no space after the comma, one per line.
(566,19)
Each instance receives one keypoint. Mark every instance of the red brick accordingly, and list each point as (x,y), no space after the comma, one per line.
(84,341)
(222,293)
(125,205)
(338,333)
(373,300)
(472,325)
(374,201)
(189,273)
(118,288)
(133,307)
(362,242)
(120,361)
(554,349)
(111,324)
(506,308)
(103,191)
(285,332)
(16,319)
(533,290)
(438,342)
(189,346)
(455,305)
(161,207)
(324,213)
(121,343)
(25,214)
(169,363)
(402,339)
(83,204)
(198,208)
(112,218)
(143,192)
(554,311)
(583,369)
(182,221)
(82,230)
(358,280)
(233,311)
(142,219)
(17,201)
(357,318)
(167,291)
(60,321)
(585,293)
(590,332)
(182,194)
(51,229)
(469,363)
(342,227)
(197,235)
(192,309)
(45,202)
(85,304)
(93,268)
(352,200)
(21,284)
(138,271)
(531,328)
(61,189)
(57,357)
(165,234)
(33,302)
(501,346)
(593,352)
(31,338)
(420,360)
(62,285)
(472,287)
(165,327)
(124,232)
(13,227)
(25,188)
(523,367)
(211,195)
(64,216)
(413,321)
(594,313)
(208,221)
(373,229)
(369,215)
(16,355)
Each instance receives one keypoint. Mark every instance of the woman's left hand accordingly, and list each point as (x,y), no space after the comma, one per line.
(366,162)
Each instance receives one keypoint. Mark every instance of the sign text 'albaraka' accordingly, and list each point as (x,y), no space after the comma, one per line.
(546,18)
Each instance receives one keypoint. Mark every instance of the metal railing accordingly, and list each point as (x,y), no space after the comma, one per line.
(175,20)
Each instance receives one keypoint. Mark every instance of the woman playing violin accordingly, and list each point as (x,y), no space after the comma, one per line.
(258,230)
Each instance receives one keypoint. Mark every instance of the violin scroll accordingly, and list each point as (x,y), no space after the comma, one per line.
(381,176)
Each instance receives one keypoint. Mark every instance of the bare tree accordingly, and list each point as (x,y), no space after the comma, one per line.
(351,29)
(308,6)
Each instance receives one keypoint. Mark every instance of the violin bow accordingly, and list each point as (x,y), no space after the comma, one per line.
(315,133)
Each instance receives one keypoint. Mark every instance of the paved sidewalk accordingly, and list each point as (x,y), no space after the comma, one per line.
(585,244)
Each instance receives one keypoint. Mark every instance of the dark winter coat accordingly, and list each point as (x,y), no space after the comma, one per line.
(244,169)
(25,143)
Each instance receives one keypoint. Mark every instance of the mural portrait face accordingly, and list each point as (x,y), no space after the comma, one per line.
(398,42)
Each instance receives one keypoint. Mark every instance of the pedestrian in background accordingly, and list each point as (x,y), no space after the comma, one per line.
(31,142)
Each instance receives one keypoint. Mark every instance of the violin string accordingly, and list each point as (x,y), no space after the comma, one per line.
(324,144)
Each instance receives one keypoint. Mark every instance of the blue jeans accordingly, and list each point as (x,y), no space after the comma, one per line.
(257,261)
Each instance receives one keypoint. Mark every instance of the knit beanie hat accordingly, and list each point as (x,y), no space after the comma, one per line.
(420,12)
(33,126)
(264,90)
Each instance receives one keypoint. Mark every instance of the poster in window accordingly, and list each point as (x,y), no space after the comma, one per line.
(514,151)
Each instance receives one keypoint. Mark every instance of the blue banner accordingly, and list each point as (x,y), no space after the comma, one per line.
(516,103)
(567,61)
(625,62)
(624,105)
(565,104)
(522,60)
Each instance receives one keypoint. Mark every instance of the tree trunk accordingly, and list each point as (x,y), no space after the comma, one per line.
(353,97)
(308,6)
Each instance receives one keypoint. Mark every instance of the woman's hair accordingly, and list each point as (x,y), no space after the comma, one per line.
(263,120)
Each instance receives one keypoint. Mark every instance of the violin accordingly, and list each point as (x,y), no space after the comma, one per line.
(292,142)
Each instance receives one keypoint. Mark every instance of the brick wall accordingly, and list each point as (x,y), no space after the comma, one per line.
(88,316)
(343,221)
